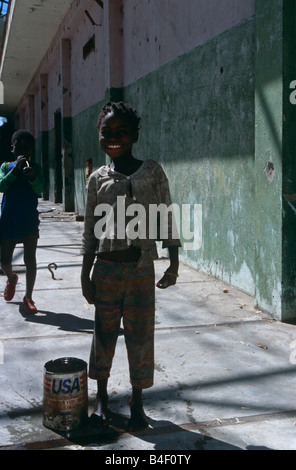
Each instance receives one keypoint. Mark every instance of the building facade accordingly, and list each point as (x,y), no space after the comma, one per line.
(211,82)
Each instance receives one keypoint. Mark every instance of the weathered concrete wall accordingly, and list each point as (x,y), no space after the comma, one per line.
(190,73)
(88,81)
(113,62)
(156,32)
(198,120)
(275,254)
(85,146)
(210,81)
(74,81)
(131,39)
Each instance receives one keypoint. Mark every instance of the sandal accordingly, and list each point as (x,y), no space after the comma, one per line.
(10,289)
(29,306)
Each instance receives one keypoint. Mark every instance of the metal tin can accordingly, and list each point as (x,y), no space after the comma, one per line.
(65,398)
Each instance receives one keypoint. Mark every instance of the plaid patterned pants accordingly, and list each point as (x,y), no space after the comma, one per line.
(124,291)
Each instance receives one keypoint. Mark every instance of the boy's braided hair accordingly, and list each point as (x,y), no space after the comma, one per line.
(121,109)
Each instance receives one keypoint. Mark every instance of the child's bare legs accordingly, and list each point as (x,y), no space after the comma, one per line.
(30,246)
(100,414)
(7,249)
(138,418)
(100,411)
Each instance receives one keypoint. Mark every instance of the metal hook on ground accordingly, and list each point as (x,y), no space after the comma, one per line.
(49,267)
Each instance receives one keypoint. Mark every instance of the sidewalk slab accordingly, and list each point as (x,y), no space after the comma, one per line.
(224,372)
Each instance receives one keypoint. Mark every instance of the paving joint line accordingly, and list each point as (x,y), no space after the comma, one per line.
(164,328)
(200,427)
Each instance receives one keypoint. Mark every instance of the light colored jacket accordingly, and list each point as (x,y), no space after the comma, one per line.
(125,210)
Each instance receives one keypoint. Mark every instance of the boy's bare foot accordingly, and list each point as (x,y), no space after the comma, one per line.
(100,415)
(138,420)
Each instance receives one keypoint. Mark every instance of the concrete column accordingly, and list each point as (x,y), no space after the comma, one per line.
(113,21)
(67,163)
(275,171)
(31,101)
(66,77)
(43,84)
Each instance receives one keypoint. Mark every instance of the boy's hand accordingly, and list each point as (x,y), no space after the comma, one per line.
(169,279)
(20,162)
(29,172)
(88,290)
(23,164)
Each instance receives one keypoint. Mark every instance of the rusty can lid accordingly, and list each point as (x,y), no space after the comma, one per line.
(64,365)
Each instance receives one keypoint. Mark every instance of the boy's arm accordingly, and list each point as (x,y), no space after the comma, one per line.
(171,274)
(172,243)
(89,242)
(88,287)
(7,178)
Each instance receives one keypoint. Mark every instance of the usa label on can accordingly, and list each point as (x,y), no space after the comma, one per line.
(65,396)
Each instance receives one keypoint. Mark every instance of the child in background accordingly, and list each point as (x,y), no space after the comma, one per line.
(123,280)
(21,183)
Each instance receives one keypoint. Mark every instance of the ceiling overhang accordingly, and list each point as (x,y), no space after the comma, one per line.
(30,28)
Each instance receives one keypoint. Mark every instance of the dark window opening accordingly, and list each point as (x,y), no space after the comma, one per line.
(89,47)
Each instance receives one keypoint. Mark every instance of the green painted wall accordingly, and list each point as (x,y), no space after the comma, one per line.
(198,121)
(41,156)
(289,163)
(51,164)
(85,145)
(275,68)
(216,118)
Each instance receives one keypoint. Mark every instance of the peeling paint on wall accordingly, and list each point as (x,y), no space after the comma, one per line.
(269,170)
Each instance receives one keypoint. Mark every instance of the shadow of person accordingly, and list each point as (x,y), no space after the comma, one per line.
(64,321)
(88,436)
(166,435)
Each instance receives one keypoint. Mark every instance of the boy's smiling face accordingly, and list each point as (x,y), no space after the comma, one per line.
(117,136)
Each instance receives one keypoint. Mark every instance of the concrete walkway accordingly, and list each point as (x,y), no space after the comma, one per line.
(224,378)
